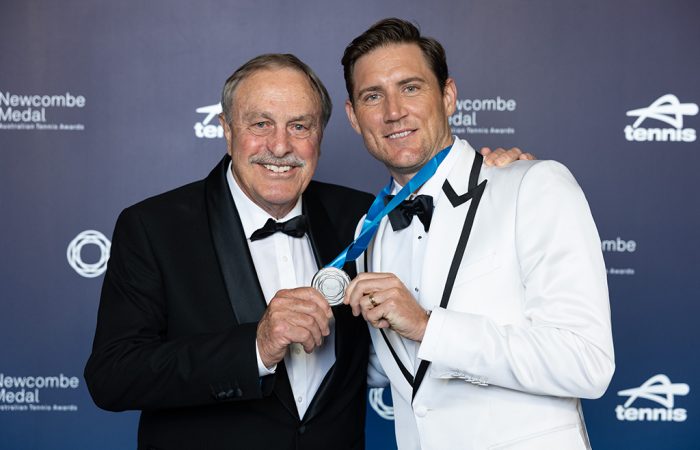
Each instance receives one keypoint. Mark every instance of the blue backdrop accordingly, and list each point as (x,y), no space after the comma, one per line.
(105,103)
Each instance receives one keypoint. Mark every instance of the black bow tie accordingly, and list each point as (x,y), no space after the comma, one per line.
(295,227)
(401,216)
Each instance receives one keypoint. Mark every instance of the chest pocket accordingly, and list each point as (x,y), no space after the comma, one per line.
(476,267)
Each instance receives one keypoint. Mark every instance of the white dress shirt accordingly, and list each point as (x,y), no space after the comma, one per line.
(409,244)
(285,262)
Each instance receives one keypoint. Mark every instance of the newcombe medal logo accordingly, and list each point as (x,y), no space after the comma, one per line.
(41,111)
(668,110)
(482,116)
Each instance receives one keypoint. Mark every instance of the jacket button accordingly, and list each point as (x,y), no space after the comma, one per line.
(302,429)
(421,411)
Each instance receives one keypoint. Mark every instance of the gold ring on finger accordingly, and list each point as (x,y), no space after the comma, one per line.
(372,301)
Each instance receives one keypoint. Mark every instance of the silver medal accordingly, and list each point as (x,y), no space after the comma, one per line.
(331,283)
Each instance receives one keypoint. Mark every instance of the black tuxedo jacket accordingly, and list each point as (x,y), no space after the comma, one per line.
(177,323)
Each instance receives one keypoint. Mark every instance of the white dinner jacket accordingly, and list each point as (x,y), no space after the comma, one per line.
(526,332)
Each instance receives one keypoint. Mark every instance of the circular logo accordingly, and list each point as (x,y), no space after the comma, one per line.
(376,400)
(75,248)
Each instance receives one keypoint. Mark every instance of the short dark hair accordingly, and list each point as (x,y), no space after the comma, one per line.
(394,31)
(271,61)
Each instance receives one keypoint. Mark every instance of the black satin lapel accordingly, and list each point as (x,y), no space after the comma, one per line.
(283,390)
(345,340)
(231,248)
(406,374)
(324,392)
(322,235)
(475,170)
(457,200)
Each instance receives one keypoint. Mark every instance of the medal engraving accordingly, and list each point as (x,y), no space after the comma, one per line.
(331,283)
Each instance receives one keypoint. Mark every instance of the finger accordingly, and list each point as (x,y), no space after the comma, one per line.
(321,320)
(374,282)
(291,309)
(382,323)
(373,300)
(376,313)
(290,328)
(356,290)
(491,156)
(312,295)
(358,301)
(368,303)
(509,156)
(305,330)
(496,157)
(309,301)
(348,289)
(351,298)
(367,283)
(528,157)
(282,327)
(376,316)
(485,151)
(303,337)
(504,157)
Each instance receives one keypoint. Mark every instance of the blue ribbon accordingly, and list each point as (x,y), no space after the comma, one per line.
(378,211)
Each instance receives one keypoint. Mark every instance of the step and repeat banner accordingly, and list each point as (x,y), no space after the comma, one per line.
(103,104)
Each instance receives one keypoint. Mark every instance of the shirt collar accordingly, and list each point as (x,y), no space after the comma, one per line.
(253,217)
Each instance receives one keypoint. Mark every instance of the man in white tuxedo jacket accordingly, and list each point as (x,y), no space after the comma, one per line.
(492,319)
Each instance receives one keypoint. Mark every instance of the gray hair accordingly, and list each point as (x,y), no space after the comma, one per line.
(275,61)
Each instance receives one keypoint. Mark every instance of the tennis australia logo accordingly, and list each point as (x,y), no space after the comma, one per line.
(376,401)
(480,116)
(75,253)
(39,111)
(658,389)
(205,129)
(669,110)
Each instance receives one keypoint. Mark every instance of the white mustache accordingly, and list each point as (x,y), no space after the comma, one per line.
(288,160)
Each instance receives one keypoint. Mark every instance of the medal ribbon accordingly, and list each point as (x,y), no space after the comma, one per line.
(378,211)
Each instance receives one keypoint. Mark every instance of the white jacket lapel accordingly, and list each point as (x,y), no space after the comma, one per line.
(446,228)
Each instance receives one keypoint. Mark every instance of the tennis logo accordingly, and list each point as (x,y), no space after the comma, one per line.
(205,129)
(669,110)
(75,253)
(658,389)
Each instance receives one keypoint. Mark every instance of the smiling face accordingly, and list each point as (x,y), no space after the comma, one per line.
(399,108)
(274,137)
